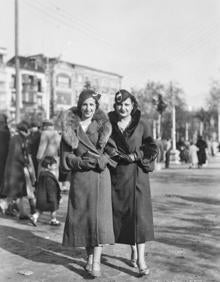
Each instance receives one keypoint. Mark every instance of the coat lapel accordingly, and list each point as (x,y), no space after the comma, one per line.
(96,136)
(119,137)
(84,139)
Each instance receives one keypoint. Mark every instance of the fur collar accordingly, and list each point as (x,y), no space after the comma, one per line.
(118,136)
(71,122)
(135,118)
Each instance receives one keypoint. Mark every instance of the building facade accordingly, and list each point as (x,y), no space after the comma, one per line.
(4,103)
(32,86)
(53,85)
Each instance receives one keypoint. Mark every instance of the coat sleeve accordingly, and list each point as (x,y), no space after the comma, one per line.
(68,160)
(42,145)
(148,151)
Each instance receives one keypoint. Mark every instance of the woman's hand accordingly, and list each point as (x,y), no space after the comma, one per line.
(87,163)
(78,163)
(102,162)
(127,158)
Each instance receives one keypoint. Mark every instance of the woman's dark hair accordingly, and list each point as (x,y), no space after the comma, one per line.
(124,96)
(84,95)
(23,126)
(48,160)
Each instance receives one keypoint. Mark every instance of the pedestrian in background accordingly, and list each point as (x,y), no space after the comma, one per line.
(131,197)
(193,151)
(20,178)
(34,140)
(181,147)
(168,148)
(49,144)
(89,224)
(202,152)
(47,191)
(4,141)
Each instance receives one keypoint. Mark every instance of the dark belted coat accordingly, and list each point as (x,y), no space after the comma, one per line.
(4,145)
(131,196)
(14,181)
(89,214)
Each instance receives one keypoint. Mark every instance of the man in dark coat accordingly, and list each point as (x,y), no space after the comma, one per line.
(202,154)
(4,141)
(34,140)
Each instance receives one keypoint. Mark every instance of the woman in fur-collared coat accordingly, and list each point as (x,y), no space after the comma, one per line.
(131,197)
(89,222)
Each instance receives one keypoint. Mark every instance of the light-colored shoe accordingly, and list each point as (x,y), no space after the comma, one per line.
(33,220)
(3,206)
(133,263)
(88,267)
(55,222)
(144,271)
(96,270)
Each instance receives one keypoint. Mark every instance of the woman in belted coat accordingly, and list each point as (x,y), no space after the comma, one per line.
(19,170)
(4,141)
(131,197)
(89,223)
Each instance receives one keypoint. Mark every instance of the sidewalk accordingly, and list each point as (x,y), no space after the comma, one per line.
(187,230)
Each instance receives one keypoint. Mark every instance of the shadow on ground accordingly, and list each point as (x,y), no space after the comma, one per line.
(26,244)
(189,235)
(29,246)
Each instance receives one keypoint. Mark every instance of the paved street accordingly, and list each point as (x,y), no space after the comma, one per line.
(187,229)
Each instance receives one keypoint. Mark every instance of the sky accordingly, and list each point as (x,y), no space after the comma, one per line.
(142,40)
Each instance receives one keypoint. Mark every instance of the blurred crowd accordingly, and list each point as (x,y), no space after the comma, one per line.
(29,158)
(195,152)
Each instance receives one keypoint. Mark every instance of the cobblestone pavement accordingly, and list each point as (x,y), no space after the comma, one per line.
(187,228)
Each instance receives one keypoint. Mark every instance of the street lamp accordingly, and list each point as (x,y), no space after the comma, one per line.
(174,154)
(219,122)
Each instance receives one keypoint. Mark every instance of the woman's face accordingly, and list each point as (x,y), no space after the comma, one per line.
(125,108)
(88,108)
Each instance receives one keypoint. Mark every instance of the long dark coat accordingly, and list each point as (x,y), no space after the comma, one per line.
(48,192)
(202,145)
(34,141)
(89,215)
(131,196)
(14,182)
(4,145)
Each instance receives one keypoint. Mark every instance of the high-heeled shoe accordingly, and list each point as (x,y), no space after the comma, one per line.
(133,263)
(96,270)
(88,267)
(144,271)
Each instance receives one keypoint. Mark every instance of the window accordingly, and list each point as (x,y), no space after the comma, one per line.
(39,85)
(39,101)
(13,81)
(1,59)
(63,98)
(63,81)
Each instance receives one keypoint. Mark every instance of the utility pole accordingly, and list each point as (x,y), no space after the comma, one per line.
(48,96)
(173,118)
(17,64)
(219,123)
(174,154)
(187,132)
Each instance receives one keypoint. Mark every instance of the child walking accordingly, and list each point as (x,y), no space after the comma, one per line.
(193,149)
(47,192)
